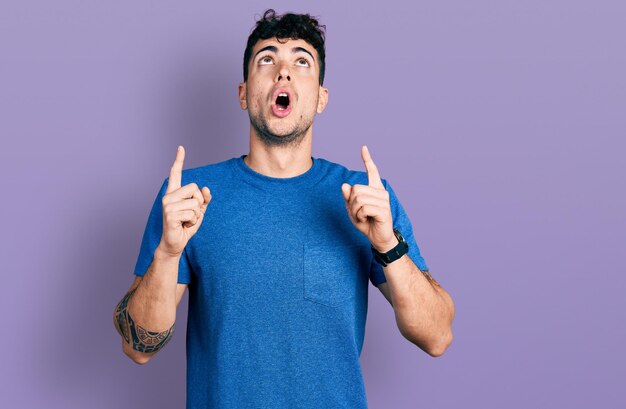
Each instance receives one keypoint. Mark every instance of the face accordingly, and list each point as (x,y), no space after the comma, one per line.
(282,93)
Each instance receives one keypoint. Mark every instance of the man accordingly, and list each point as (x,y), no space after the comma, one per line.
(277,249)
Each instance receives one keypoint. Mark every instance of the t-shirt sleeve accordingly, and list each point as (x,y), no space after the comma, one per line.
(152,238)
(403,224)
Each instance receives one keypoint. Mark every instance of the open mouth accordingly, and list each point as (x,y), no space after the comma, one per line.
(282,101)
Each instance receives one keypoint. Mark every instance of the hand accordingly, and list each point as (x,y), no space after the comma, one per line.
(183,209)
(368,207)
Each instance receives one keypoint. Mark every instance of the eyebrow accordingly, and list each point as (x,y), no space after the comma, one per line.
(275,50)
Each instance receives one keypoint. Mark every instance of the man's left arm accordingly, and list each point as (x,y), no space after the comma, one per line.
(424,310)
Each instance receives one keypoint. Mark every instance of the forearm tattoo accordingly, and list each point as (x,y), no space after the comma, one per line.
(142,339)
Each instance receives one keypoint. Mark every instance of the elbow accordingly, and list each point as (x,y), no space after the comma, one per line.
(440,347)
(434,342)
(137,357)
(139,360)
(434,346)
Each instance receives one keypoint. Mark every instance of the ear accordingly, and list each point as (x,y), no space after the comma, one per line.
(243,87)
(322,99)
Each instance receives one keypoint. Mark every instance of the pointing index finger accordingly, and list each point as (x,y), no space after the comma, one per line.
(372,171)
(176,172)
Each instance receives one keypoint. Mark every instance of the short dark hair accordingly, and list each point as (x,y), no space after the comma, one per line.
(288,26)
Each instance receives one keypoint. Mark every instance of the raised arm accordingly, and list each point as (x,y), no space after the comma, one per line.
(424,310)
(146,314)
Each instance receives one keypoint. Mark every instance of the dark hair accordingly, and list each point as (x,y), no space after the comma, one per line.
(288,26)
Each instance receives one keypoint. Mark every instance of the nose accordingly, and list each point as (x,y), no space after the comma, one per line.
(283,73)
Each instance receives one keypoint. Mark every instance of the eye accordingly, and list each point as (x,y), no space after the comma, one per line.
(265,60)
(303,61)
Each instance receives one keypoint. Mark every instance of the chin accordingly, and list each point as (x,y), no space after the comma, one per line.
(281,131)
(282,127)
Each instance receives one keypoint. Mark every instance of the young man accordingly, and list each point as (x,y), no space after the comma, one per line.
(277,249)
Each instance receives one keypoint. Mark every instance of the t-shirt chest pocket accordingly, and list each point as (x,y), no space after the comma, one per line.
(330,273)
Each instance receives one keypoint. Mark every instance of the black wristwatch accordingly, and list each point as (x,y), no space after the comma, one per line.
(395,253)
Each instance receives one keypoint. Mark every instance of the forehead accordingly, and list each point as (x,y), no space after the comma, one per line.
(284,46)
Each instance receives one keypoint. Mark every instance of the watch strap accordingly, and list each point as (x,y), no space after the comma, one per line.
(395,253)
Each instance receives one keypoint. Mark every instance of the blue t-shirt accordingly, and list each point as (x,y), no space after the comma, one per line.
(278,284)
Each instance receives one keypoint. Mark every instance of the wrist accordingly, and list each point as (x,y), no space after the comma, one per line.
(387,246)
(390,252)
(163,255)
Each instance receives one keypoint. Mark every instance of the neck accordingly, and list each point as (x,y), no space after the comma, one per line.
(279,161)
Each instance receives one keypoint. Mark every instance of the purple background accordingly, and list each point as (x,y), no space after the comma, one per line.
(500,125)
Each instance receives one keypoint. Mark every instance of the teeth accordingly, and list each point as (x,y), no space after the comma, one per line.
(282,94)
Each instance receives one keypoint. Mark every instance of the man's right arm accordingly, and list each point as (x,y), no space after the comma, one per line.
(146,315)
